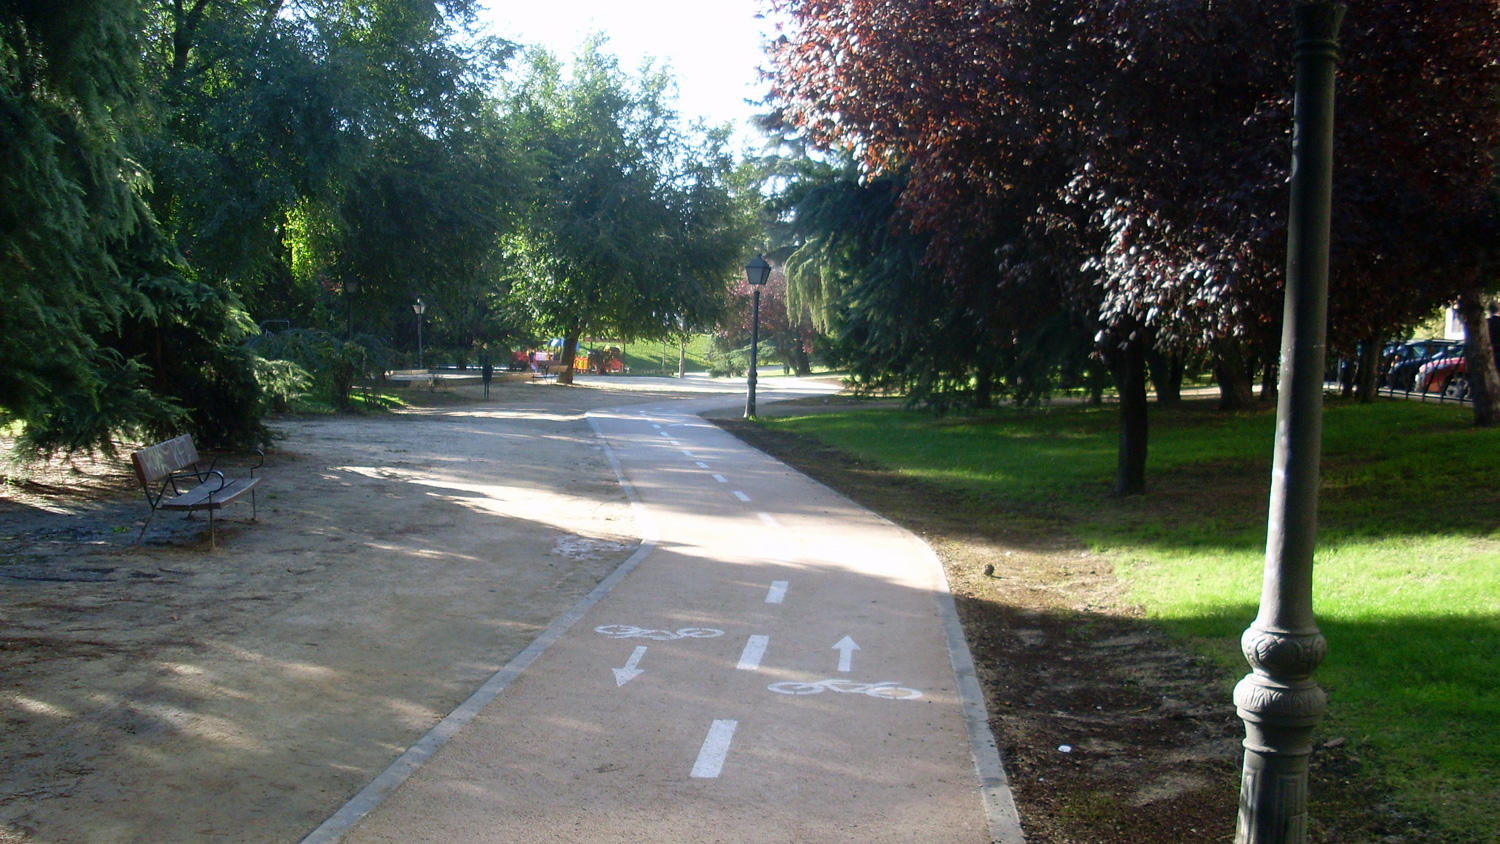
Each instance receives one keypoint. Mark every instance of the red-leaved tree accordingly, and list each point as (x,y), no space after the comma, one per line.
(1147,142)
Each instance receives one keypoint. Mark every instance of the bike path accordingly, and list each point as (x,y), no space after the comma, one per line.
(772,665)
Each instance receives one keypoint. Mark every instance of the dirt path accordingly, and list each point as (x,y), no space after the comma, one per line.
(164,692)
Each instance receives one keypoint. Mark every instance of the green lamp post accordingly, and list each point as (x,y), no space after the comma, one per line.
(756,272)
(419,307)
(1279,701)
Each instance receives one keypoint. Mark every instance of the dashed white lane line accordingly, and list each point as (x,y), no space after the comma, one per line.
(769,520)
(754,652)
(715,749)
(702,465)
(777,593)
(721,479)
(741,496)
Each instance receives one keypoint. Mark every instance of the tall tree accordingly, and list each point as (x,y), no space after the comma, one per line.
(1199,257)
(79,251)
(789,331)
(635,228)
(1074,130)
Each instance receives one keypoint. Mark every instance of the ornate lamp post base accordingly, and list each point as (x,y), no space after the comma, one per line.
(1279,716)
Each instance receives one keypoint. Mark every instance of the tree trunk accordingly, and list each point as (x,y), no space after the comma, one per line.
(1167,370)
(1128,361)
(681,357)
(800,360)
(984,385)
(1479,355)
(569,349)
(1365,385)
(1270,375)
(1232,372)
(1098,377)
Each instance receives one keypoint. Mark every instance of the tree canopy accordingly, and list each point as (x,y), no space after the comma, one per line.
(80,255)
(178,172)
(1125,162)
(634,229)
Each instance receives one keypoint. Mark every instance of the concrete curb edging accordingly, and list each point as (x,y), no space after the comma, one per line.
(994,785)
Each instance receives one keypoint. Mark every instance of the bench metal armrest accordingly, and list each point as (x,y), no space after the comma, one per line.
(260,460)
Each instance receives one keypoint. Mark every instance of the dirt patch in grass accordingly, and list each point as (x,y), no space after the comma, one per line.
(1110,730)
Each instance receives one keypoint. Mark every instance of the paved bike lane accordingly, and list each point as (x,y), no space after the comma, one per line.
(772,665)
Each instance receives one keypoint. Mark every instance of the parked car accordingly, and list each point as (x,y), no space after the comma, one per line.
(1404,361)
(1448,375)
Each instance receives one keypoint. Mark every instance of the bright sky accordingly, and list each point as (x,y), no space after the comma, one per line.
(713,47)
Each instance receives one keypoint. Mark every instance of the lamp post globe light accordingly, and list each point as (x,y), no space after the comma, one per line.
(419,307)
(756,272)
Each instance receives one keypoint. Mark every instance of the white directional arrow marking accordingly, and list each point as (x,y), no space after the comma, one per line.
(846,648)
(630,672)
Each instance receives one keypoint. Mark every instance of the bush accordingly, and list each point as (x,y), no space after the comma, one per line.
(727,363)
(281,383)
(332,365)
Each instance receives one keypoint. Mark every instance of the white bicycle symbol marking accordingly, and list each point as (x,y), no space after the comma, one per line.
(886,689)
(630,631)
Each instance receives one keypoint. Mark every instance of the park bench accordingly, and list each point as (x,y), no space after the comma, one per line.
(173,478)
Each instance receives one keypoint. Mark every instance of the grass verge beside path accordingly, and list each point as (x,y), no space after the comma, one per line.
(1407,571)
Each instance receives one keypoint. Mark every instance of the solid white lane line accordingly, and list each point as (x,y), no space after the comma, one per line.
(741,496)
(715,749)
(777,593)
(755,650)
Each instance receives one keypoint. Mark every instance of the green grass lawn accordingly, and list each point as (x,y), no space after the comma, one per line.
(1407,570)
(648,358)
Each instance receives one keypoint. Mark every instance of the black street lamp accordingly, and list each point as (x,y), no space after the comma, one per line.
(756,272)
(418,308)
(1279,701)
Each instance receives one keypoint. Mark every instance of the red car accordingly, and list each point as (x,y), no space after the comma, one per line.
(1447,375)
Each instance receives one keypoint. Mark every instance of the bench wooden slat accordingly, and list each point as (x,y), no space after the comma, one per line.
(209,496)
(156,462)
